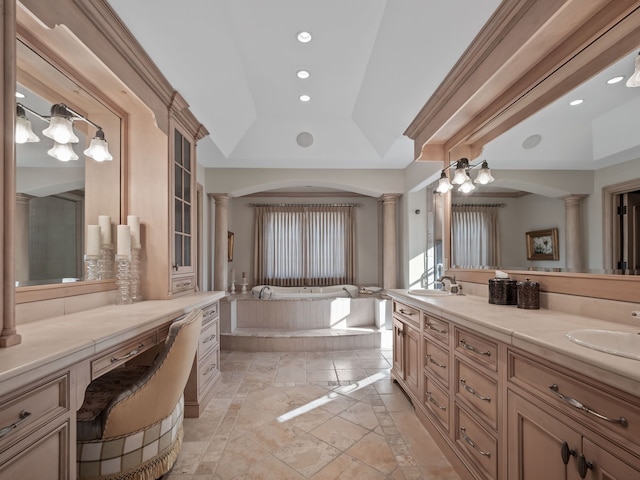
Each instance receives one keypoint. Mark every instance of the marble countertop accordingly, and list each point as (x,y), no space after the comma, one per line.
(58,342)
(541,332)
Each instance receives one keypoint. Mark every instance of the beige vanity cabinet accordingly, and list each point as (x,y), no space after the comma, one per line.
(36,431)
(406,347)
(182,214)
(562,425)
(205,371)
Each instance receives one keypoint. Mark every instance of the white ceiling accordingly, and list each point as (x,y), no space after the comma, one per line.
(373,64)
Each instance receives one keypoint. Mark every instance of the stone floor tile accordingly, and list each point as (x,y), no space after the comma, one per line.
(339,433)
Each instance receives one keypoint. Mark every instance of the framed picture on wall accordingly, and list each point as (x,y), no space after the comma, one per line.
(543,244)
(230,246)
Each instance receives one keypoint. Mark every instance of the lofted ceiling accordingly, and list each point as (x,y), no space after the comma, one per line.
(373,64)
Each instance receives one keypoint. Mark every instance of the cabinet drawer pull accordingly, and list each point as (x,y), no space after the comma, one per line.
(402,311)
(583,466)
(24,414)
(431,327)
(433,400)
(431,360)
(463,434)
(580,406)
(209,338)
(211,368)
(133,352)
(566,452)
(473,349)
(472,391)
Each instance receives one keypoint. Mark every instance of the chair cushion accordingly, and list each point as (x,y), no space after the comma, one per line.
(99,393)
(145,454)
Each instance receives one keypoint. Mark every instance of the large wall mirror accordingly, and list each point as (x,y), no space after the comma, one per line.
(589,153)
(57,199)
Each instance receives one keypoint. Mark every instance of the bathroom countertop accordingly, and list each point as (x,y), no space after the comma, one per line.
(541,332)
(58,342)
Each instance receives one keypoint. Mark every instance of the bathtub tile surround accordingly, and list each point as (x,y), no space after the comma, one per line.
(289,416)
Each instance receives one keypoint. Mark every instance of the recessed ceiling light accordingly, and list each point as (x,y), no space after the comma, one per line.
(303,74)
(304,98)
(304,37)
(614,80)
(304,139)
(19,95)
(578,101)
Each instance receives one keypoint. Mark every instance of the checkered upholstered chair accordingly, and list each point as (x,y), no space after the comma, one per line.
(130,423)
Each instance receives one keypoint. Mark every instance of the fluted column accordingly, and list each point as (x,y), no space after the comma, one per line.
(389,229)
(573,233)
(220,261)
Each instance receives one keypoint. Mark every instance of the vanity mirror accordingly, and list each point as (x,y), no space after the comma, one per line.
(57,199)
(561,157)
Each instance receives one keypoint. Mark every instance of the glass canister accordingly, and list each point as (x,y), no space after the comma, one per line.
(502,291)
(529,295)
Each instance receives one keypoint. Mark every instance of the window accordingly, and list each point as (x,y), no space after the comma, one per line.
(475,239)
(304,245)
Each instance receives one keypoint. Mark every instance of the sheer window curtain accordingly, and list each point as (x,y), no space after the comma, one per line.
(304,245)
(475,236)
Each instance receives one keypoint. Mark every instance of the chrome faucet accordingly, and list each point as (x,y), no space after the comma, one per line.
(453,286)
(348,292)
(266,287)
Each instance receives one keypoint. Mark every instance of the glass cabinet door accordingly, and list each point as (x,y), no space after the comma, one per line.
(183,169)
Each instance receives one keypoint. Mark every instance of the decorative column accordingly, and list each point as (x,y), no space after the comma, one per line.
(574,250)
(390,229)
(9,335)
(220,261)
(21,236)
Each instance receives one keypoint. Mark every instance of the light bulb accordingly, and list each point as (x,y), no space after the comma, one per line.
(98,148)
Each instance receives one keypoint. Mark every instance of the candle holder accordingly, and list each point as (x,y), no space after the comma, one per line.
(105,262)
(244,285)
(232,289)
(92,271)
(136,272)
(123,280)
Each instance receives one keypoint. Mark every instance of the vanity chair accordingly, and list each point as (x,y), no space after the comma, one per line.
(130,423)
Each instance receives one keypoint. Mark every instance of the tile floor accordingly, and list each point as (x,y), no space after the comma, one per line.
(314,415)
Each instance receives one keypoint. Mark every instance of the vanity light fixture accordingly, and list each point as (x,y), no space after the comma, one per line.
(461,176)
(634,80)
(24,132)
(60,130)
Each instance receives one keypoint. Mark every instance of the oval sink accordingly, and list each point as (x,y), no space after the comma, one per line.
(622,344)
(429,292)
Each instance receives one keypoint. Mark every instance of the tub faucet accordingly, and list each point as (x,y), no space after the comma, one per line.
(266,287)
(453,286)
(348,292)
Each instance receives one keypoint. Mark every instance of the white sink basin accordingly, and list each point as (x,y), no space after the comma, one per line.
(429,292)
(623,344)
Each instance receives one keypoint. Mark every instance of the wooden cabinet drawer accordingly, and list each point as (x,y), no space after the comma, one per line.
(182,284)
(436,360)
(480,349)
(437,401)
(209,313)
(407,313)
(436,328)
(208,371)
(582,398)
(478,390)
(477,443)
(115,358)
(209,338)
(29,410)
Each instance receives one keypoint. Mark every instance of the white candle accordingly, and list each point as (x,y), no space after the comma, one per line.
(134,223)
(105,229)
(93,240)
(233,274)
(124,240)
